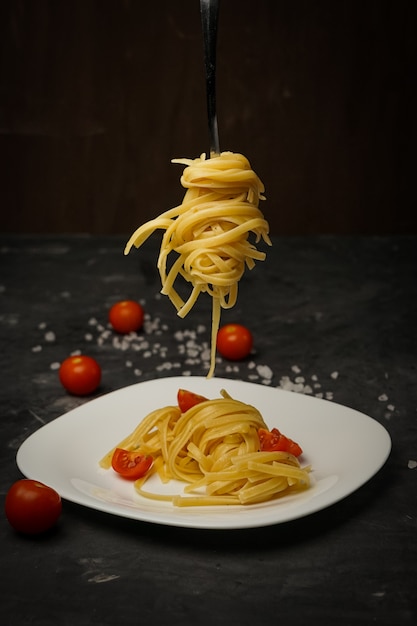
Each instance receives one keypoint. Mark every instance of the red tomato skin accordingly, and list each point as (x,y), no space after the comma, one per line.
(80,375)
(234,342)
(274,440)
(32,507)
(188,399)
(126,316)
(131,464)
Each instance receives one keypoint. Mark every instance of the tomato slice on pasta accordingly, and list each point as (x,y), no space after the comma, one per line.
(274,441)
(188,399)
(131,464)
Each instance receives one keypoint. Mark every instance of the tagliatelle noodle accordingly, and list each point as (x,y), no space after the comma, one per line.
(209,232)
(214,448)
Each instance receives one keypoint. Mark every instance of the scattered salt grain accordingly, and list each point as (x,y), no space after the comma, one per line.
(42,326)
(120,344)
(300,379)
(264,371)
(383,397)
(205,354)
(55,366)
(412,464)
(88,337)
(334,375)
(296,369)
(164,366)
(37,349)
(50,336)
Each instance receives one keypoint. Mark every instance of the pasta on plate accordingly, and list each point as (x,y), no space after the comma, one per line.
(213,447)
(209,234)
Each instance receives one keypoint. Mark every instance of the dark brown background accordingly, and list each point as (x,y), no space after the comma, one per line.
(96,97)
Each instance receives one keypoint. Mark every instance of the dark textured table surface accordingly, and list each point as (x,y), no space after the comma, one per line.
(331,316)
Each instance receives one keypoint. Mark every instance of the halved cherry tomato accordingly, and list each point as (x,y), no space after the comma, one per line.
(188,399)
(32,507)
(234,342)
(126,316)
(131,464)
(80,375)
(274,441)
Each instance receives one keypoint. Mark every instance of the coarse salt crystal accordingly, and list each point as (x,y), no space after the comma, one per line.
(205,355)
(50,336)
(264,371)
(295,369)
(37,349)
(383,397)
(412,464)
(334,375)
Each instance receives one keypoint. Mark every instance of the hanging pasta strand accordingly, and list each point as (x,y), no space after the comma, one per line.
(209,234)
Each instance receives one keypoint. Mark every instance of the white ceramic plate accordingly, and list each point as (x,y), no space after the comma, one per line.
(345,448)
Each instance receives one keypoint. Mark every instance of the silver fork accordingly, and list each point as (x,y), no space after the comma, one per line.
(209,17)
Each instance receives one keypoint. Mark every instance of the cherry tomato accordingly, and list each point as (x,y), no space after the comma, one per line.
(274,441)
(126,316)
(234,341)
(80,375)
(32,507)
(131,464)
(188,399)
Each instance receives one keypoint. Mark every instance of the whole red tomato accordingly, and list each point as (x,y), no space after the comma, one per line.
(234,341)
(126,316)
(80,375)
(32,507)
